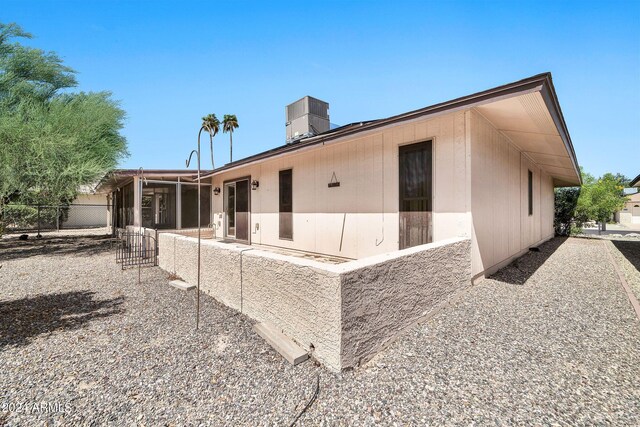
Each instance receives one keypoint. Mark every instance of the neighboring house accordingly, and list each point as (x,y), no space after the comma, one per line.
(630,214)
(88,210)
(344,237)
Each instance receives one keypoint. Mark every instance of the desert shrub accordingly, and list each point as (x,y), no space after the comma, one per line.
(25,216)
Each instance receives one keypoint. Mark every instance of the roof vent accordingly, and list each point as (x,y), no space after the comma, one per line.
(306,117)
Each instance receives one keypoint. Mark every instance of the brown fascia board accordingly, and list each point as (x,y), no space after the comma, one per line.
(114,177)
(157,172)
(536,83)
(635,182)
(551,100)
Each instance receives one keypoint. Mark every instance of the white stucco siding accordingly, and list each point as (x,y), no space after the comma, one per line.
(88,210)
(502,225)
(366,202)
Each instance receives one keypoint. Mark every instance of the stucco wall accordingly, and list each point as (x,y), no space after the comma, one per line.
(383,295)
(88,210)
(300,296)
(365,205)
(630,214)
(346,311)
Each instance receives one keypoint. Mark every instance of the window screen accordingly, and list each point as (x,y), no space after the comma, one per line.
(286,204)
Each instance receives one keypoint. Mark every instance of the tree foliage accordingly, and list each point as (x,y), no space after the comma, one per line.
(601,198)
(229,124)
(566,201)
(53,141)
(597,200)
(211,125)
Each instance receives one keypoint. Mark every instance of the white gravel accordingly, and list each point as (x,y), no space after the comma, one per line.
(550,340)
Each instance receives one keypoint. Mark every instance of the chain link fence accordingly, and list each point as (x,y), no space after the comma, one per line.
(19,218)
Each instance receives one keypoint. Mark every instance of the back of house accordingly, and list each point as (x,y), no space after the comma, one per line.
(483,166)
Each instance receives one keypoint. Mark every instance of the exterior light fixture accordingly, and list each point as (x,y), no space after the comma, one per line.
(255,184)
(216,190)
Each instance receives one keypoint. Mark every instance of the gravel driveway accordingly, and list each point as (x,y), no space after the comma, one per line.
(551,339)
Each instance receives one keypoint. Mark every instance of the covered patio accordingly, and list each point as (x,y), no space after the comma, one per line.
(156,199)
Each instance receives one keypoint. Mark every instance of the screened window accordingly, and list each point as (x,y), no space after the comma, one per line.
(189,205)
(530,193)
(286,204)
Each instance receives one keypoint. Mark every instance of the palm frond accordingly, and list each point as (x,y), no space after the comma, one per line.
(211,124)
(229,123)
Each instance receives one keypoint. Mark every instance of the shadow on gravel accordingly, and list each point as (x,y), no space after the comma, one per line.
(630,250)
(23,319)
(66,245)
(521,269)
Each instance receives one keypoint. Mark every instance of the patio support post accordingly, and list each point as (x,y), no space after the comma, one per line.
(178,204)
(137,200)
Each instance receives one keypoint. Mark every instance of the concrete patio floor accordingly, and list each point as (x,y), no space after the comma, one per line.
(551,339)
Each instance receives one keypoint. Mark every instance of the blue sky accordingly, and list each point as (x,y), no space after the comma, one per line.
(170,63)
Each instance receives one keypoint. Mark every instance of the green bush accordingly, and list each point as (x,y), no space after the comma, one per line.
(564,221)
(24,216)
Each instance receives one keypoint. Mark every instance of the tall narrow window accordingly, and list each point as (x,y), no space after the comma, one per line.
(530,193)
(415,191)
(286,204)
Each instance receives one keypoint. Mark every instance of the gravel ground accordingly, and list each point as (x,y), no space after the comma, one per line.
(627,255)
(550,340)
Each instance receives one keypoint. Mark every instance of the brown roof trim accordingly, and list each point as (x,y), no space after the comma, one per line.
(635,181)
(540,82)
(117,176)
(169,172)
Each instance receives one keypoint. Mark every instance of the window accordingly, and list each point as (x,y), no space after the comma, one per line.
(530,193)
(415,179)
(286,204)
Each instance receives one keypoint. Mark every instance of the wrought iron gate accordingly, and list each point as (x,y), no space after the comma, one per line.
(137,248)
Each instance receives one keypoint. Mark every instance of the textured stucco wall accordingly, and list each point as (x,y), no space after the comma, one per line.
(390,293)
(299,296)
(347,311)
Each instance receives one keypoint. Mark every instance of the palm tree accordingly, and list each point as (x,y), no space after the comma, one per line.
(211,124)
(229,123)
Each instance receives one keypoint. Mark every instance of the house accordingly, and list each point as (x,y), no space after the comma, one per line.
(482,166)
(630,214)
(344,237)
(88,210)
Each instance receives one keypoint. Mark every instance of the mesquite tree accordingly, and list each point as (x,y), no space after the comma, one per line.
(52,142)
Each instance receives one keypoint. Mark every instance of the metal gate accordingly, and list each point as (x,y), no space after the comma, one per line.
(137,248)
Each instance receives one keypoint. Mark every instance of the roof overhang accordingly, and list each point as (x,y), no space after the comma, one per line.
(635,182)
(533,122)
(526,111)
(119,177)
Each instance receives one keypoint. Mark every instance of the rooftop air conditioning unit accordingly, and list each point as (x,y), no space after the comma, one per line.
(306,117)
